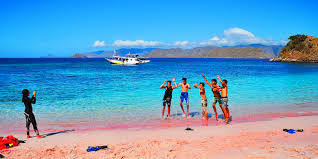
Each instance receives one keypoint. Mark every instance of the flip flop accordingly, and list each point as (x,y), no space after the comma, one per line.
(189,129)
(96,148)
(292,131)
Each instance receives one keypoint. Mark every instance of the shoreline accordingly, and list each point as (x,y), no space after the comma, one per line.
(292,60)
(259,137)
(48,127)
(152,122)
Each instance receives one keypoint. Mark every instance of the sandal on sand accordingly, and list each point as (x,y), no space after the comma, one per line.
(189,129)
(96,148)
(292,131)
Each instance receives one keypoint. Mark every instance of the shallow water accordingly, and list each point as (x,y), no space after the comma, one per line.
(86,90)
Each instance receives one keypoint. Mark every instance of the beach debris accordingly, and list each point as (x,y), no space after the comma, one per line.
(7,142)
(292,131)
(96,148)
(189,129)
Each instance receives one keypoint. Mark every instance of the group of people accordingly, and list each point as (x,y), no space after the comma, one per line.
(220,96)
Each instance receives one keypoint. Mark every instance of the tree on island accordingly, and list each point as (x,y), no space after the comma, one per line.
(296,43)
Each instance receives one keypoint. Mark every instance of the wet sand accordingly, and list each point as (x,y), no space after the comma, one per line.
(254,136)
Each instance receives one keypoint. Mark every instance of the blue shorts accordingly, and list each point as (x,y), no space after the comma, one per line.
(184,96)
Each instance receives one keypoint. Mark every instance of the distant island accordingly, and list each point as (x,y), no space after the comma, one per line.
(239,51)
(48,56)
(78,55)
(122,51)
(300,48)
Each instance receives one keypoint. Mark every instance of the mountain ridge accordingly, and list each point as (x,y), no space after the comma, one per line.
(269,51)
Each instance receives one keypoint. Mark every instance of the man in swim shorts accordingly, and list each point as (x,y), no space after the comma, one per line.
(28,112)
(168,95)
(204,101)
(224,97)
(184,95)
(217,97)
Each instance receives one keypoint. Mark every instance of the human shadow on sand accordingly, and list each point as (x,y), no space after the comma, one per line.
(58,132)
(193,114)
(221,116)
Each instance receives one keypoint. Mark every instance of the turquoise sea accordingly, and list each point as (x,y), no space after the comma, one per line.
(92,90)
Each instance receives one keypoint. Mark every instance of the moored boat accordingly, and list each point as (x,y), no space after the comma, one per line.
(123,60)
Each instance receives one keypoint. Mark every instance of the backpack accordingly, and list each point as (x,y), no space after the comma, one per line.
(7,142)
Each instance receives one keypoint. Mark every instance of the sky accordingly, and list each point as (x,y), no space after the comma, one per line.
(61,28)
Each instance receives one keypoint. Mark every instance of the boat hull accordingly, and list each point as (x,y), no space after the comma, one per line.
(144,61)
(121,63)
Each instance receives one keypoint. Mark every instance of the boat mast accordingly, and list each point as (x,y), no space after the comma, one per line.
(114,54)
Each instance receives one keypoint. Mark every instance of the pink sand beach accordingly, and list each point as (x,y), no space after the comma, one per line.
(253,136)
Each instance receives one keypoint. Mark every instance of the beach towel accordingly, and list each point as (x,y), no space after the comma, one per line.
(7,142)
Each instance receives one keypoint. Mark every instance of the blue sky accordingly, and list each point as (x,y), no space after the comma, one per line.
(62,28)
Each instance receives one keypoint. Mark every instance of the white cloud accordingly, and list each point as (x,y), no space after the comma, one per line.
(215,38)
(236,36)
(229,37)
(181,43)
(238,31)
(98,43)
(283,41)
(138,43)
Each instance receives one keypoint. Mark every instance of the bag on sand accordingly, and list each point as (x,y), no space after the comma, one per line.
(7,142)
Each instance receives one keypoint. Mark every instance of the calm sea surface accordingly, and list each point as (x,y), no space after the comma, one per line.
(93,90)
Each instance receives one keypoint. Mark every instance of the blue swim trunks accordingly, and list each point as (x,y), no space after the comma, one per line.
(184,96)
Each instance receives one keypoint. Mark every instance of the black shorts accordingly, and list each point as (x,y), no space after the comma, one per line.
(167,101)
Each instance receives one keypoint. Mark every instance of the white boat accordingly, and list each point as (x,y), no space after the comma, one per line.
(142,59)
(123,60)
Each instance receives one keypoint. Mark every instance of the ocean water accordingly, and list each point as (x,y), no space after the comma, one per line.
(88,90)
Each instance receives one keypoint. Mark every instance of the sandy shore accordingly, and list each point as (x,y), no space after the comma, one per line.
(252,139)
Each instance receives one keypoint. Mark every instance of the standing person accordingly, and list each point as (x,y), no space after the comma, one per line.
(184,95)
(204,101)
(224,97)
(217,97)
(28,112)
(168,95)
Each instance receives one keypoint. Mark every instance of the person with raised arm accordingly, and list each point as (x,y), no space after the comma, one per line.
(184,95)
(224,97)
(168,95)
(216,97)
(204,101)
(28,112)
